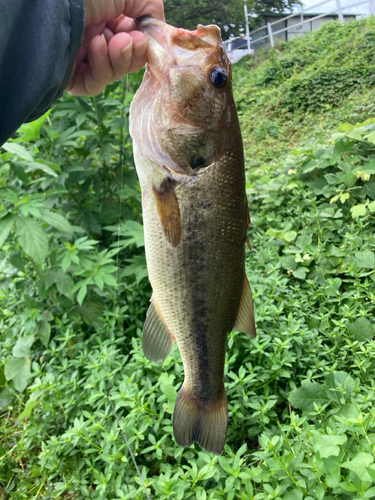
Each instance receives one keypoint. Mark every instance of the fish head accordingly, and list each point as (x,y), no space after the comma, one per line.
(181,112)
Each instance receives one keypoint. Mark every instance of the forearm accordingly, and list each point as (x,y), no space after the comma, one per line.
(38,46)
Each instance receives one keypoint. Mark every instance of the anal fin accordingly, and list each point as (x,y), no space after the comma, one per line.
(157,340)
(245,321)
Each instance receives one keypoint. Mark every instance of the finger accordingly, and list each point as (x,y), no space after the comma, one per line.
(138,8)
(139,55)
(123,23)
(90,33)
(127,53)
(99,11)
(120,54)
(108,34)
(92,78)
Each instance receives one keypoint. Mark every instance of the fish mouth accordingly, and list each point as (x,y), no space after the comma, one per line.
(157,46)
(172,47)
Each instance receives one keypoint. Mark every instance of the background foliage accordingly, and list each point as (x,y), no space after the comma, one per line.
(74,295)
(229,15)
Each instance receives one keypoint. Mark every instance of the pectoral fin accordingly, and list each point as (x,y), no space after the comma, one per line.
(157,340)
(245,321)
(168,210)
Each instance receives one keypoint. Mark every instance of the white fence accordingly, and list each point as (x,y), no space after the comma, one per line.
(249,41)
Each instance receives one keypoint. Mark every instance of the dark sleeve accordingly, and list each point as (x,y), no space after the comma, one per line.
(39,40)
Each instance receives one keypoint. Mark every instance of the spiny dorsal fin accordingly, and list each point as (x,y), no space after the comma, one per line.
(157,340)
(245,321)
(168,210)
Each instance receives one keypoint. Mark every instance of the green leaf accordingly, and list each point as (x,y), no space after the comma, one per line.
(18,150)
(300,273)
(2,376)
(333,251)
(19,171)
(6,224)
(288,262)
(349,179)
(310,393)
(57,221)
(358,210)
(331,178)
(30,405)
(4,398)
(18,370)
(31,130)
(303,241)
(44,332)
(47,315)
(370,493)
(132,230)
(369,167)
(137,266)
(355,133)
(22,347)
(37,165)
(81,294)
(32,239)
(327,445)
(361,329)
(290,235)
(109,279)
(65,284)
(371,137)
(294,495)
(365,259)
(359,464)
(170,392)
(336,382)
(344,197)
(17,261)
(319,492)
(92,313)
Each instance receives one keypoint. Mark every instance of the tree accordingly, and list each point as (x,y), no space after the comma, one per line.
(227,14)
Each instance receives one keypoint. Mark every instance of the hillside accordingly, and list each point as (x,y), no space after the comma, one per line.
(301,395)
(305,88)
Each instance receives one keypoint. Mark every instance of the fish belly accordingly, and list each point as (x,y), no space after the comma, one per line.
(198,283)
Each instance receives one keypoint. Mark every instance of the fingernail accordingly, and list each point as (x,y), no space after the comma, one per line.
(141,44)
(127,51)
(102,43)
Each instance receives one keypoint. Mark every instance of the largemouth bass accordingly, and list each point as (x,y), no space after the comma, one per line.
(189,159)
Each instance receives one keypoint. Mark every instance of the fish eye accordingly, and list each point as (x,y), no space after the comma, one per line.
(218,77)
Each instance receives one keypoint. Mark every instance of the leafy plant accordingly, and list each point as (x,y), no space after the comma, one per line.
(74,298)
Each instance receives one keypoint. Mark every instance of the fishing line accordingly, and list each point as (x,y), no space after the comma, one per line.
(128,445)
(126,129)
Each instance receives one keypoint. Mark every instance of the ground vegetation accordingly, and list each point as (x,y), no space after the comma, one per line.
(74,293)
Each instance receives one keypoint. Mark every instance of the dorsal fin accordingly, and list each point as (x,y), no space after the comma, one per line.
(157,340)
(245,321)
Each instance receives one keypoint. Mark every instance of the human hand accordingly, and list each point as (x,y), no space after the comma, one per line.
(111,46)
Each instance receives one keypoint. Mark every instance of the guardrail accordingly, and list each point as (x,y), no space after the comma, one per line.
(249,41)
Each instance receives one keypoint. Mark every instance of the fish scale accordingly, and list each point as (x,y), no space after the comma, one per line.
(195,220)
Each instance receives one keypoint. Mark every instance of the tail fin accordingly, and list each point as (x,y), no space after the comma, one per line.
(200,421)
